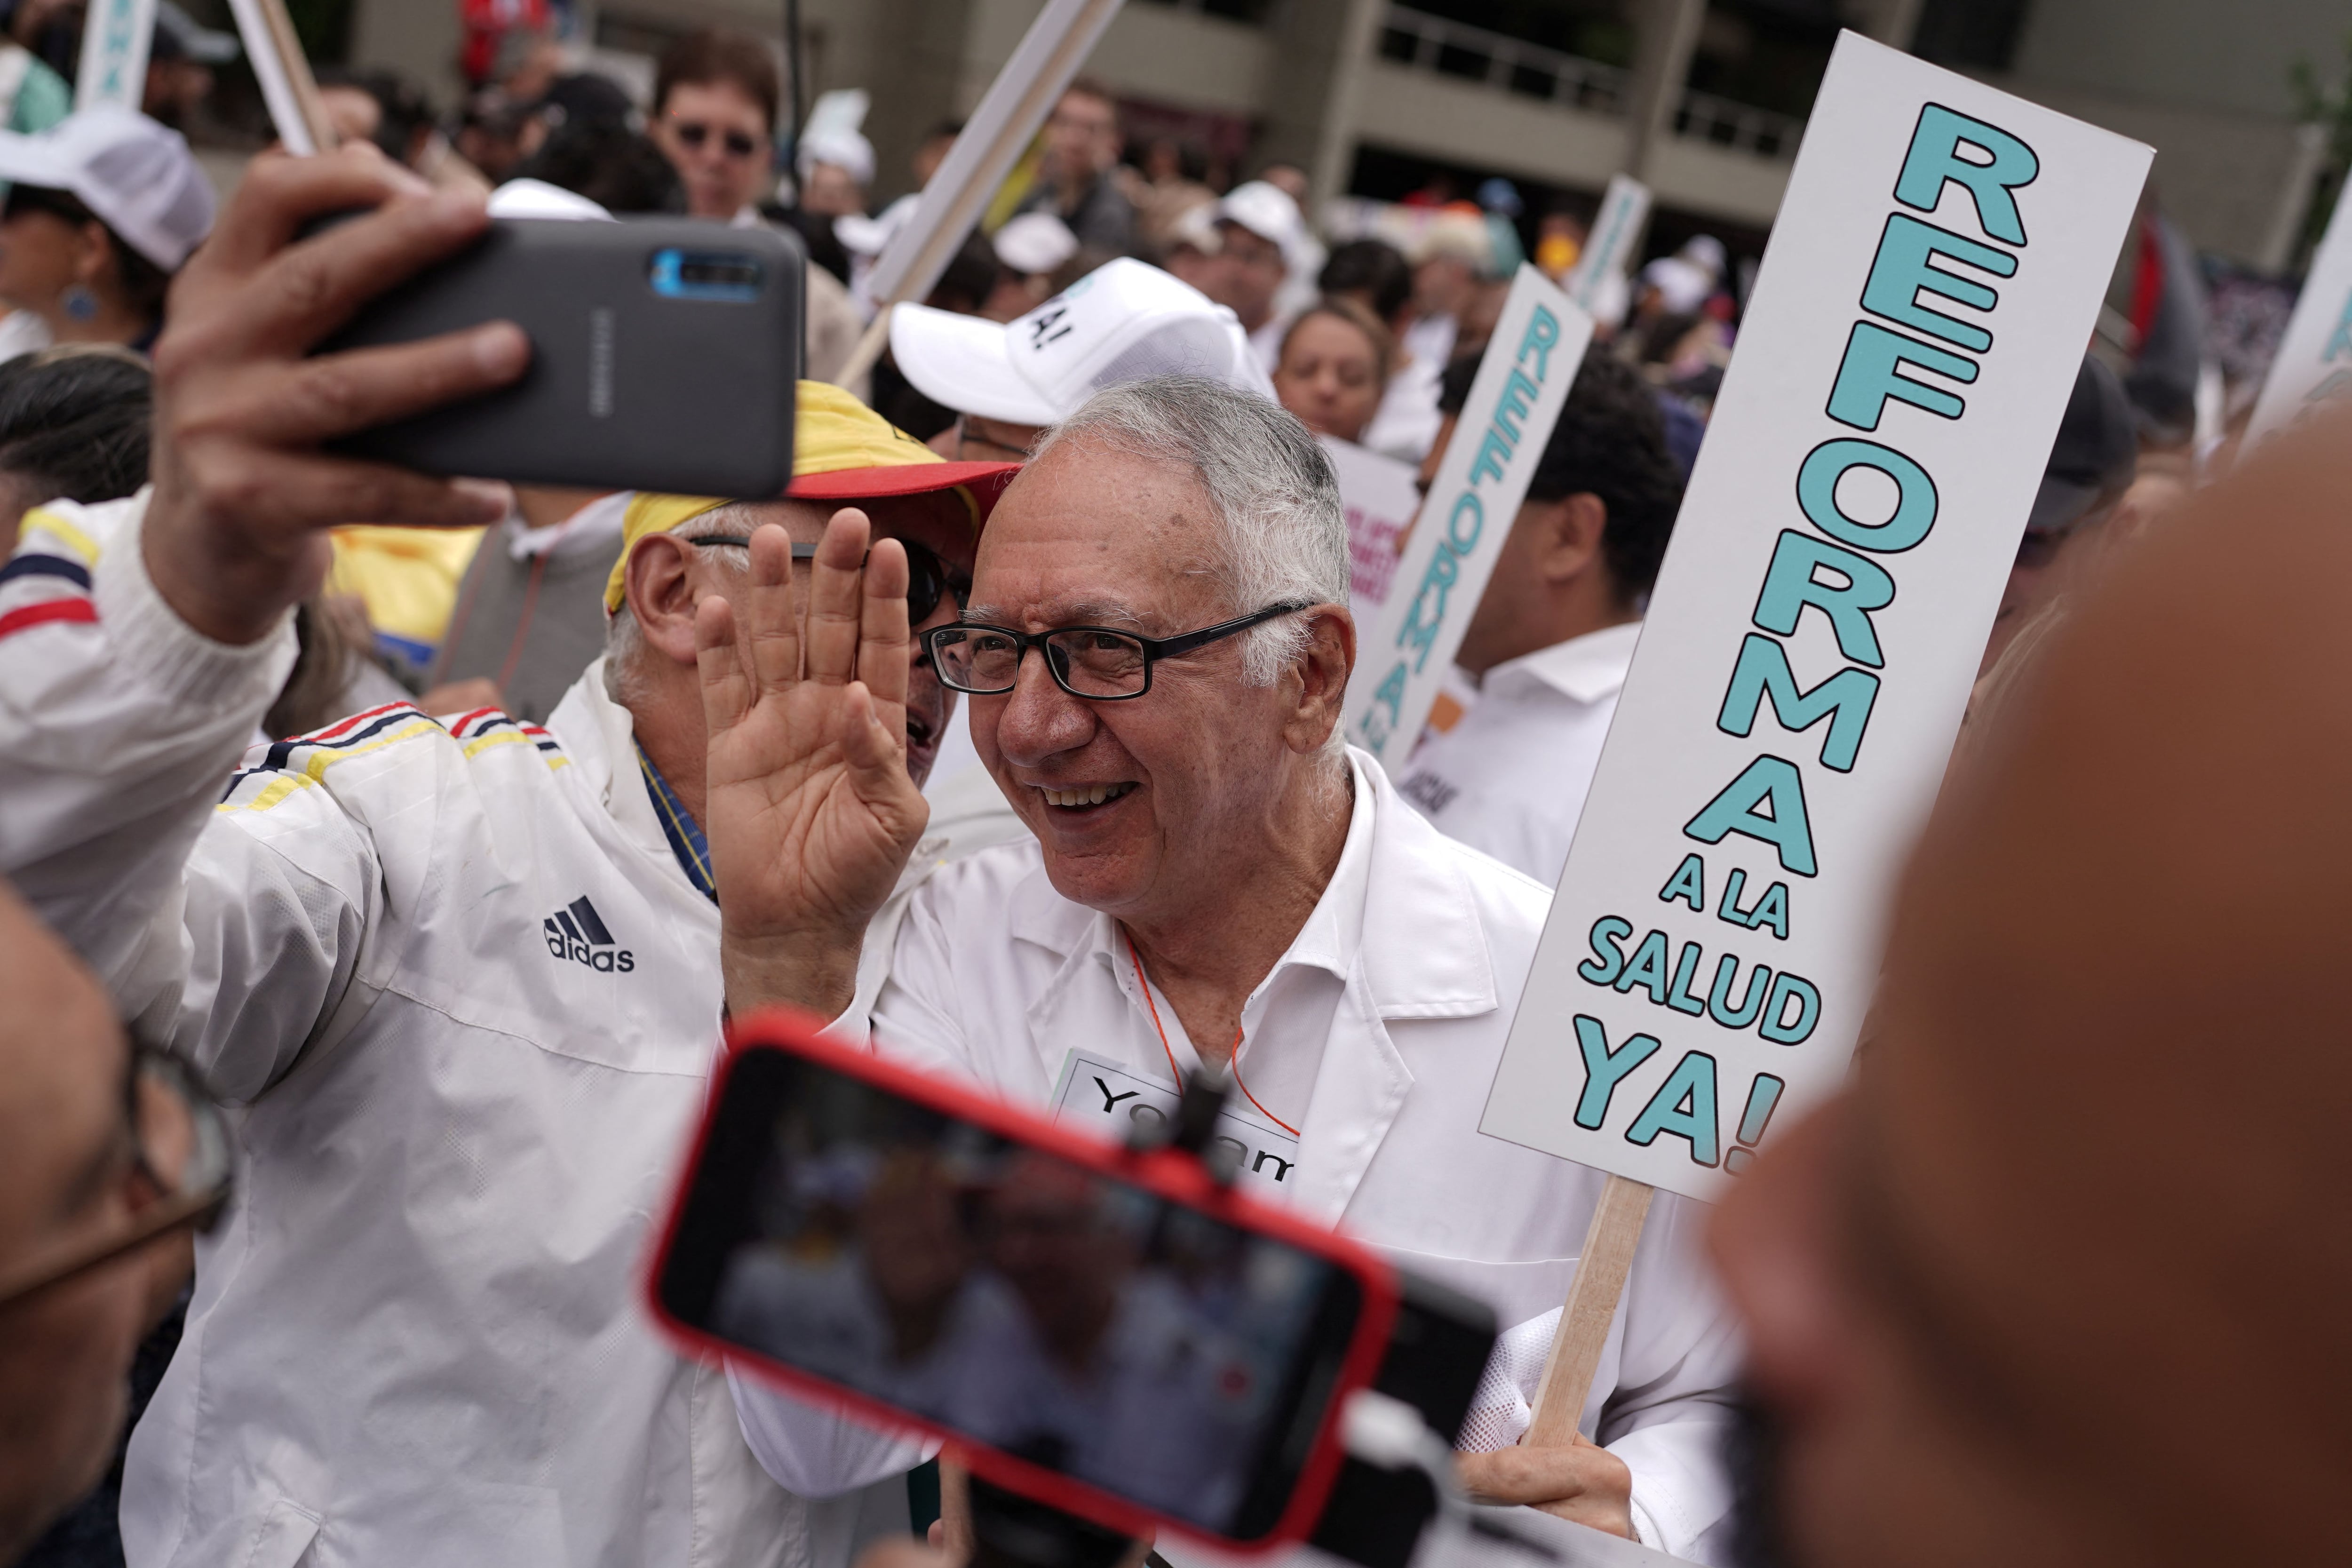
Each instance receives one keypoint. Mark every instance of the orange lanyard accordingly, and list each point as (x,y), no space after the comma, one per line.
(1137,959)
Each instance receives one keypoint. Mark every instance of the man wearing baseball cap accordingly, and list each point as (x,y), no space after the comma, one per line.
(1126,321)
(462,976)
(1266,262)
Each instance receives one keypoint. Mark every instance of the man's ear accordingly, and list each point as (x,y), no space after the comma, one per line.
(660,594)
(1322,671)
(1570,541)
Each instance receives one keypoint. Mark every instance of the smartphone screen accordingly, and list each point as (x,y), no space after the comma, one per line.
(1085,1324)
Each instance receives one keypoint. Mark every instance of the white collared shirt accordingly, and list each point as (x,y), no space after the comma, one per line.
(1511,775)
(1376,1034)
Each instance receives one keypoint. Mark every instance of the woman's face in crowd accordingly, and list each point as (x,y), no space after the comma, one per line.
(40,258)
(715,135)
(1329,376)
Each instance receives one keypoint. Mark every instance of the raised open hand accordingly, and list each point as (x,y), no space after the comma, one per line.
(811,813)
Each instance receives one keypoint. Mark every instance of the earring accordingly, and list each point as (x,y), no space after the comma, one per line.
(81,304)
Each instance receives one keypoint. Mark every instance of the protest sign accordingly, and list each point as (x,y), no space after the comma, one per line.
(1914,336)
(992,140)
(1379,495)
(275,51)
(1110,1101)
(1407,648)
(1609,244)
(1915,333)
(116,34)
(2315,358)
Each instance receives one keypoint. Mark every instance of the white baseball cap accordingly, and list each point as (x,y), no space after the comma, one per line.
(137,176)
(1126,321)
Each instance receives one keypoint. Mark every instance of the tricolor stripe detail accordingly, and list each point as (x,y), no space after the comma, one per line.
(47,581)
(291,764)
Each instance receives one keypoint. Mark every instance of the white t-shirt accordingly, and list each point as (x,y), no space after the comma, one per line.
(1510,776)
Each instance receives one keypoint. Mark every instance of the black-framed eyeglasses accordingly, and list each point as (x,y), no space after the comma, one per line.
(1100,664)
(929,578)
(694,133)
(180,1166)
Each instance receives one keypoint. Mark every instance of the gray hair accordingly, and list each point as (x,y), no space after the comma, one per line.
(625,641)
(1286,533)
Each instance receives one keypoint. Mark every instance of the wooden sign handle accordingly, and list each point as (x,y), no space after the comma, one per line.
(276,52)
(1591,1307)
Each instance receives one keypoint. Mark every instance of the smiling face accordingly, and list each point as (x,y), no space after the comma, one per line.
(1154,806)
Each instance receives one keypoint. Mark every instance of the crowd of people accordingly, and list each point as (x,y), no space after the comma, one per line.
(383,853)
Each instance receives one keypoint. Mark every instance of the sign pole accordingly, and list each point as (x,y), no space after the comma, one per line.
(284,73)
(992,141)
(1591,1306)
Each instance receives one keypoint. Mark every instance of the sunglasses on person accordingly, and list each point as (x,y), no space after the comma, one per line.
(694,133)
(929,578)
(1099,664)
(180,1174)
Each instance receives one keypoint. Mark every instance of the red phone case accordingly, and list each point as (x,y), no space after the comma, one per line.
(1170,1174)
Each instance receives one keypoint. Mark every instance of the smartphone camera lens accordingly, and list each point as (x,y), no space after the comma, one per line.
(706,275)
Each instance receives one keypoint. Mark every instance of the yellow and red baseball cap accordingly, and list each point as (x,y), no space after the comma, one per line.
(842,451)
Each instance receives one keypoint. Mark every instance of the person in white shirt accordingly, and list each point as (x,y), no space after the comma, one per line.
(1554,633)
(1217,882)
(461,978)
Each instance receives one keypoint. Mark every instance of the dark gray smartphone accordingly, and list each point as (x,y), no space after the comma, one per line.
(665,356)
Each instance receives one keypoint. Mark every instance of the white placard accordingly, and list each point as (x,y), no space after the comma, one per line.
(2315,358)
(1404,653)
(115,38)
(1822,608)
(1381,495)
(1110,1101)
(1609,244)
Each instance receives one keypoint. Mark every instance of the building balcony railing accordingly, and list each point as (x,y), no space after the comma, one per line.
(1450,48)
(1705,118)
(1424,42)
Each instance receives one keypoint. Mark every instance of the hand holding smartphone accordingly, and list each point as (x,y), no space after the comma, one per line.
(1109,1332)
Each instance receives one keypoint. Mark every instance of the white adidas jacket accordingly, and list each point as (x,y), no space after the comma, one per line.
(468,1001)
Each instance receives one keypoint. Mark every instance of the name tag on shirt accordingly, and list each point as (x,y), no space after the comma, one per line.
(1108,1101)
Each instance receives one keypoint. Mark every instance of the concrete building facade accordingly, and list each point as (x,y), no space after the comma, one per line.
(1356,90)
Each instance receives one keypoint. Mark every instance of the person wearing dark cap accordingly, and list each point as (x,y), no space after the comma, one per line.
(2090,468)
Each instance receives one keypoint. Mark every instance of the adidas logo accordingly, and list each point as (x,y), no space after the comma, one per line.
(575,933)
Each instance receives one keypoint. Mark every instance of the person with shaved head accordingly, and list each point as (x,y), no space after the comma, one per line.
(2063,1278)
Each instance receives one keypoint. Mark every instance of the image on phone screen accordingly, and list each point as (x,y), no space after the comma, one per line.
(1080,1322)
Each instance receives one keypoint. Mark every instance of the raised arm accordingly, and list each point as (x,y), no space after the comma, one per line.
(153,633)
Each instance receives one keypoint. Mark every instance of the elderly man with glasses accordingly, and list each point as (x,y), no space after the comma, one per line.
(460,974)
(1156,652)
